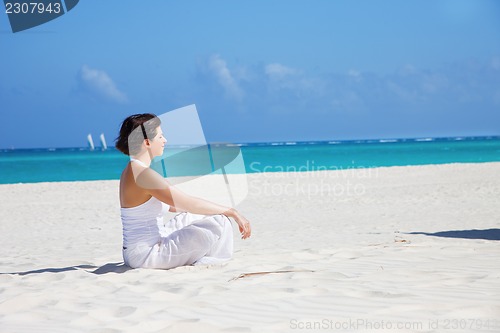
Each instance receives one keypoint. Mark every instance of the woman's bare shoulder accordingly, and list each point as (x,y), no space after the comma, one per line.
(131,194)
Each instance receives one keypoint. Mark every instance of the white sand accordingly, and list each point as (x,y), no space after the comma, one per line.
(62,271)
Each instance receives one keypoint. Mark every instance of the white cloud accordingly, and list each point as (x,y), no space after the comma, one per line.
(225,78)
(282,77)
(292,81)
(411,91)
(279,71)
(434,82)
(99,82)
(354,75)
(407,70)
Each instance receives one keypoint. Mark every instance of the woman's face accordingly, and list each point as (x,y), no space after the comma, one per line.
(157,144)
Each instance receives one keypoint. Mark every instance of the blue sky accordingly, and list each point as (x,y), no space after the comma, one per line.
(256,70)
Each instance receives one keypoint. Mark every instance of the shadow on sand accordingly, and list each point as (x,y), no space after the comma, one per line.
(487,234)
(117,267)
(113,267)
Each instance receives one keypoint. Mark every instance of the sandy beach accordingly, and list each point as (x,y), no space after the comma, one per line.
(400,249)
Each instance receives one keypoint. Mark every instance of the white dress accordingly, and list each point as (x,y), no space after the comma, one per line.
(184,240)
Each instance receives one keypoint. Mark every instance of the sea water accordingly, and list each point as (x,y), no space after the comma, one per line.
(77,164)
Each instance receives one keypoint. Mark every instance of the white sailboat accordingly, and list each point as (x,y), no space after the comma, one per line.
(104,146)
(90,141)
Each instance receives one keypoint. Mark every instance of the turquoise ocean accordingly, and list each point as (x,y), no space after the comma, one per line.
(79,164)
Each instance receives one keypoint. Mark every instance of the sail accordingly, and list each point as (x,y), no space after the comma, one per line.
(104,146)
(90,141)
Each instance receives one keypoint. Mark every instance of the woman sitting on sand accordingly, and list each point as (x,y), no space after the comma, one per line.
(201,234)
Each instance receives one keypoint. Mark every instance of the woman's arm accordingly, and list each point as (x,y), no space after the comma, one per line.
(186,202)
(162,190)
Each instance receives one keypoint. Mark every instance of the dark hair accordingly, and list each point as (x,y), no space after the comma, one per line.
(134,130)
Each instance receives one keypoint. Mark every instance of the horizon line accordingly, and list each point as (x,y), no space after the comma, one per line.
(292,142)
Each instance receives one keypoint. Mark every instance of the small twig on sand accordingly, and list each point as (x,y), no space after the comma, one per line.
(263,273)
(402,241)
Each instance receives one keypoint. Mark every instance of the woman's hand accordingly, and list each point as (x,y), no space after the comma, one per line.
(243,223)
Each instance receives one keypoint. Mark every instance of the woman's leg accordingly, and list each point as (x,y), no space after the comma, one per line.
(193,239)
(181,220)
(222,250)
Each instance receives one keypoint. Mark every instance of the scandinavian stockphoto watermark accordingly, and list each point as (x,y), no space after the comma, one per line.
(217,172)
(310,180)
(26,14)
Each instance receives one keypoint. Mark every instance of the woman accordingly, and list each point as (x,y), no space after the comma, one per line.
(201,234)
